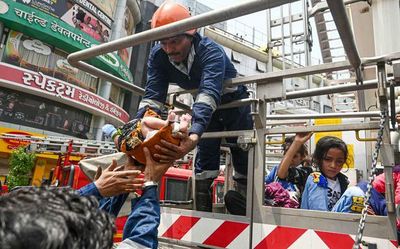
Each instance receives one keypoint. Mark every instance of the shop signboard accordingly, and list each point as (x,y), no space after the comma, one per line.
(101,10)
(13,143)
(37,24)
(75,96)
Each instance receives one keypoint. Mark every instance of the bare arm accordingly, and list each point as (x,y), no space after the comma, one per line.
(299,140)
(112,181)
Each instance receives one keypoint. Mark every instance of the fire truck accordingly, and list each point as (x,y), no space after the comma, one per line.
(274,227)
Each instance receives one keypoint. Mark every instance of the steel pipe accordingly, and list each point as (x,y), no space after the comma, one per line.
(322,6)
(265,78)
(370,84)
(323,128)
(339,15)
(107,76)
(221,134)
(331,89)
(175,28)
(237,103)
(325,115)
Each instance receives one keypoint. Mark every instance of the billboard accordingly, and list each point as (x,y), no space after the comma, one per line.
(107,6)
(81,14)
(35,55)
(39,25)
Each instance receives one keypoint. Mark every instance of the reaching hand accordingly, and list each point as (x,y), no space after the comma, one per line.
(303,137)
(171,152)
(154,170)
(115,181)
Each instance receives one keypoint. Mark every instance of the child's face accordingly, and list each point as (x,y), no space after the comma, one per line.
(332,163)
(297,159)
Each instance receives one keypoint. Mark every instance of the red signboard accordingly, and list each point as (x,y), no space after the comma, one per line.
(15,143)
(42,83)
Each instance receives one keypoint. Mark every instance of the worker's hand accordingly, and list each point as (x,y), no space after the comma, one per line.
(302,137)
(171,152)
(154,170)
(115,180)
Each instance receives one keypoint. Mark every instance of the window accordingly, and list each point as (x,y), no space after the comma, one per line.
(236,57)
(327,109)
(176,190)
(316,106)
(260,66)
(25,109)
(116,95)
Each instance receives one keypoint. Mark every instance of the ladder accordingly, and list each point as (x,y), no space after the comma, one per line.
(289,32)
(59,145)
(332,50)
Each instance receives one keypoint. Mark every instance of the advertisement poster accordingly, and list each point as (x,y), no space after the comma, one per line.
(107,6)
(28,110)
(33,54)
(126,31)
(81,14)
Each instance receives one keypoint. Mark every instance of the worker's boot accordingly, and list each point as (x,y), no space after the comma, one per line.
(241,186)
(203,198)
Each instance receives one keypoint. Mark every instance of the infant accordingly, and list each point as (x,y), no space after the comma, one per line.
(148,131)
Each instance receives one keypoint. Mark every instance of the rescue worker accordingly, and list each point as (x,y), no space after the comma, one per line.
(196,62)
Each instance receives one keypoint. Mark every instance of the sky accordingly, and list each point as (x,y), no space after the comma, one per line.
(258,21)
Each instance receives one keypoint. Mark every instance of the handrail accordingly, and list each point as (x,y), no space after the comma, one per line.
(175,28)
(325,115)
(338,11)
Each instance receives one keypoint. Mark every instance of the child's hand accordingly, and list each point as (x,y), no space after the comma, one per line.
(303,137)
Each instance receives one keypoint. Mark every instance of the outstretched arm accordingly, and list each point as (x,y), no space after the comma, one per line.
(299,140)
(141,227)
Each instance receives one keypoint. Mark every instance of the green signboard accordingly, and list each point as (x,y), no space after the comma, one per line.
(56,32)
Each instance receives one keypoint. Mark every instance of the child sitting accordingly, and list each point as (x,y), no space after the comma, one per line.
(293,170)
(323,189)
(283,180)
(132,137)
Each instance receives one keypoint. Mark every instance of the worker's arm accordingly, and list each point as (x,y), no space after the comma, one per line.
(156,85)
(208,99)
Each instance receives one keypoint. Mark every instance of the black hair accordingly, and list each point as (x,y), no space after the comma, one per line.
(53,218)
(323,146)
(288,141)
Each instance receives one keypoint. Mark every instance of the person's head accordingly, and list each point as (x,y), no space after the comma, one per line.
(301,154)
(99,29)
(88,20)
(330,155)
(52,218)
(106,33)
(177,47)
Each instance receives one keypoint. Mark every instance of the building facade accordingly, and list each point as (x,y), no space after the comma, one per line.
(40,92)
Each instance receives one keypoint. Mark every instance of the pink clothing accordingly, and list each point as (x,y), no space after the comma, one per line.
(379,185)
(278,196)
